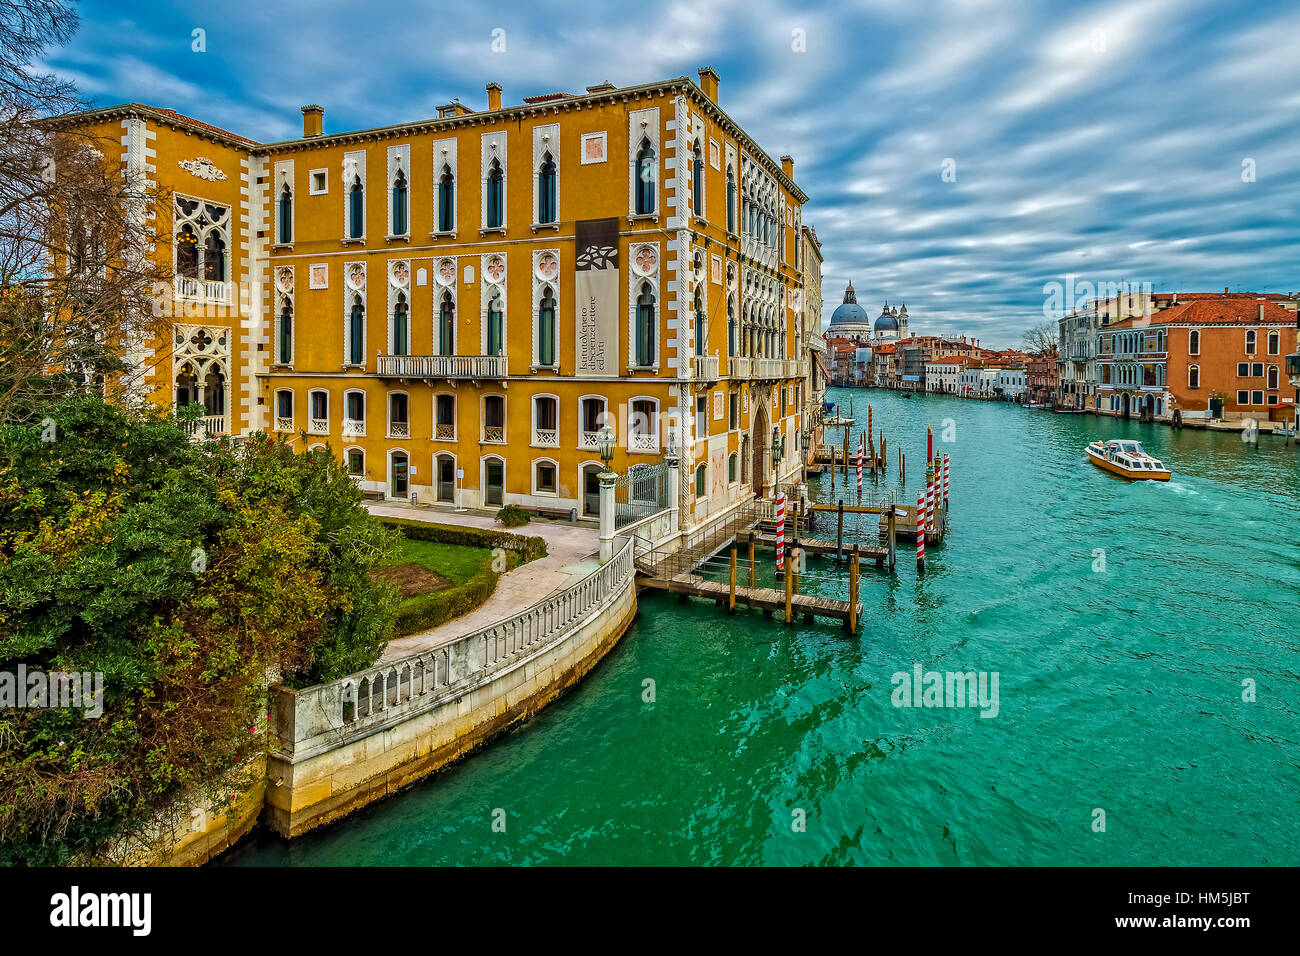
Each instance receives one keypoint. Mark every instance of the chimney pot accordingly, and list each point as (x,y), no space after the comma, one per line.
(709,83)
(787,167)
(313,120)
(494,96)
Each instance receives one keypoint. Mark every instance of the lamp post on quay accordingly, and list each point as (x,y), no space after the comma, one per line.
(605,441)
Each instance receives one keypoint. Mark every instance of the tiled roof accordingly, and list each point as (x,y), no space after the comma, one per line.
(1213,311)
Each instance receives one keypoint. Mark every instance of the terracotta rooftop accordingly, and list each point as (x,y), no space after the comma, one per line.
(1213,311)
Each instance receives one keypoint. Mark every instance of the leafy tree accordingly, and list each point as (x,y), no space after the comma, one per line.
(189,575)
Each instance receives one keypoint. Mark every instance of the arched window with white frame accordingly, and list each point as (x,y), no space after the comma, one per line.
(354,413)
(318,411)
(284,410)
(547,330)
(643,425)
(546,421)
(399,415)
(446,325)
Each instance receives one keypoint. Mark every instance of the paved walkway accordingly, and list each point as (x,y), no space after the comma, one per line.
(573,551)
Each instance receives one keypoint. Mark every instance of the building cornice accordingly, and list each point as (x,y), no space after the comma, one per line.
(681,85)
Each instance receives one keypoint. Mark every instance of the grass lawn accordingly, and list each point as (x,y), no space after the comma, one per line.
(454,562)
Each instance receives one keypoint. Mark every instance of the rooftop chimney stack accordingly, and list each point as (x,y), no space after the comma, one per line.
(1261,312)
(313,120)
(709,83)
(787,167)
(494,96)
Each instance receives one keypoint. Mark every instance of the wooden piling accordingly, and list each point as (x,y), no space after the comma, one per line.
(731,601)
(853,592)
(846,453)
(751,559)
(902,467)
(839,534)
(893,537)
(789,594)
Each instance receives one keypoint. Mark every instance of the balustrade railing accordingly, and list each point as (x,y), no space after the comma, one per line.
(354,428)
(385,694)
(443,366)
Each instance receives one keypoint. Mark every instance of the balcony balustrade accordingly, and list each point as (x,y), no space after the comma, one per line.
(443,366)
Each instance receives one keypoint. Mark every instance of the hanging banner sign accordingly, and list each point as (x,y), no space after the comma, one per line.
(596,297)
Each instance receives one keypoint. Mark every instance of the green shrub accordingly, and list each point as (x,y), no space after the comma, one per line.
(429,610)
(512,516)
(528,548)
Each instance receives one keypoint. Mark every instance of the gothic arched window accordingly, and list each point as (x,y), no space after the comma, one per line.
(446,200)
(286,332)
(399,204)
(495,196)
(356,210)
(286,215)
(697,181)
(645,326)
(646,179)
(731,199)
(495,327)
(357,332)
(401,326)
(446,326)
(546,328)
(546,203)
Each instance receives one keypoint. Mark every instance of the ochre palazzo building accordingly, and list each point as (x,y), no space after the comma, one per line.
(456,306)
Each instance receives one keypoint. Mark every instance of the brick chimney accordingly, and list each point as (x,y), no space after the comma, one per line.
(313,120)
(1261,312)
(787,167)
(709,82)
(494,96)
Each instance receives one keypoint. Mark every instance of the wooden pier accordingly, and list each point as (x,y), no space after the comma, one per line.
(768,600)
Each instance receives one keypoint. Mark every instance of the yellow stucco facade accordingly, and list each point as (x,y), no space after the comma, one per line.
(457,306)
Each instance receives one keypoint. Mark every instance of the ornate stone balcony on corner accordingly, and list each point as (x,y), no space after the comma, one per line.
(443,366)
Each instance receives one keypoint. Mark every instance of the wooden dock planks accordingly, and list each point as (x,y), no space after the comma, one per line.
(766,599)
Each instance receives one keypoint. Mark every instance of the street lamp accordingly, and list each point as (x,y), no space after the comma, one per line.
(605,442)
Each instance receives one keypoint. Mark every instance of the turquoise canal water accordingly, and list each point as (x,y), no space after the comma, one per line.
(1118,690)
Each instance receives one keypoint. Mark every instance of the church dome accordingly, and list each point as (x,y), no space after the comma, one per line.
(849,313)
(888,321)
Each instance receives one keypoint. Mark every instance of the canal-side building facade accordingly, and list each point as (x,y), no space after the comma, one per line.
(457,306)
(1211,357)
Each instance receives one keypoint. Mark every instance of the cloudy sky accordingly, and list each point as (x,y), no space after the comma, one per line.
(1111,141)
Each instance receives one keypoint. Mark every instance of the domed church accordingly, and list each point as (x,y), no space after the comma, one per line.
(850,321)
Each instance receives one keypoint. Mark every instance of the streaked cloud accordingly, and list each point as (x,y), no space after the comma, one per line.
(1103,139)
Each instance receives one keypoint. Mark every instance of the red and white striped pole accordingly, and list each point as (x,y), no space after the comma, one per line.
(946,466)
(931,504)
(859,467)
(920,531)
(780,531)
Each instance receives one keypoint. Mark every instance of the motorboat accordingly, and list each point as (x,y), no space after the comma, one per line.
(1127,459)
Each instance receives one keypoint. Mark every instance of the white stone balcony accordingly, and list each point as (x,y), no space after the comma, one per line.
(589,440)
(354,428)
(705,367)
(444,432)
(283,424)
(443,366)
(769,368)
(318,426)
(399,429)
(546,437)
(207,290)
(206,427)
(496,435)
(740,366)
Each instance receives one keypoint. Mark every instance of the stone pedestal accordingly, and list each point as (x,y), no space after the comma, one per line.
(607,479)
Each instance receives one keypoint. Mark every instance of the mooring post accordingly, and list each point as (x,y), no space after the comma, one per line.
(839,534)
(751,560)
(789,592)
(883,459)
(853,590)
(902,466)
(846,453)
(893,536)
(731,603)
(798,552)
(832,456)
